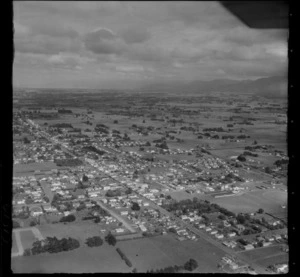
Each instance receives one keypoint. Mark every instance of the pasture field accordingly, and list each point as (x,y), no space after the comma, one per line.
(266,256)
(276,259)
(25,168)
(82,260)
(181,195)
(269,200)
(27,238)
(162,251)
(78,230)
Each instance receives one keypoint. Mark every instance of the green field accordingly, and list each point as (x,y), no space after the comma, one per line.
(83,260)
(31,167)
(270,201)
(78,230)
(266,256)
(27,238)
(163,251)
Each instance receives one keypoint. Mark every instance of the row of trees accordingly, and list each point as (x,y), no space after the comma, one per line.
(124,257)
(201,206)
(190,265)
(68,162)
(52,245)
(113,193)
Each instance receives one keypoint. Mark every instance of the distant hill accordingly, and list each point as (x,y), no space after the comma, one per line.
(269,87)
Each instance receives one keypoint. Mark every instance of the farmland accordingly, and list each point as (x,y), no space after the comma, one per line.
(267,256)
(126,150)
(82,260)
(27,238)
(163,251)
(270,201)
(79,230)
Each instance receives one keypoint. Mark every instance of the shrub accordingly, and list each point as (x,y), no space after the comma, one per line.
(94,241)
(68,218)
(111,239)
(27,252)
(16,224)
(190,265)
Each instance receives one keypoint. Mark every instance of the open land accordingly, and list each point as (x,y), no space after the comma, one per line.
(120,162)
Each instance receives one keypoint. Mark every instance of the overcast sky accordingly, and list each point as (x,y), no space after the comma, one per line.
(124,44)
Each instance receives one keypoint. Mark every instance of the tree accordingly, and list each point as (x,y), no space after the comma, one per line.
(68,218)
(135,207)
(111,239)
(260,211)
(16,224)
(190,265)
(222,217)
(116,122)
(85,178)
(240,219)
(94,241)
(172,230)
(26,140)
(32,223)
(268,170)
(46,199)
(241,158)
(27,252)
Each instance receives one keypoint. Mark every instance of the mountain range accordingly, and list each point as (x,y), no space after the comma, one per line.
(275,86)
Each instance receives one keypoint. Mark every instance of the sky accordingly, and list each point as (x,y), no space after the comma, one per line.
(107,45)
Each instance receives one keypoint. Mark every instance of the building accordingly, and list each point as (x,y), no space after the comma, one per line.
(248,247)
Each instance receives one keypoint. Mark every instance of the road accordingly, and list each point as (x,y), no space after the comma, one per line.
(117,216)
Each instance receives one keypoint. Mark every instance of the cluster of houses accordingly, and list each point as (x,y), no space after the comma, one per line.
(27,190)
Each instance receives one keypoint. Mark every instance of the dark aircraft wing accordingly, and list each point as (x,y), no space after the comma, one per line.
(260,14)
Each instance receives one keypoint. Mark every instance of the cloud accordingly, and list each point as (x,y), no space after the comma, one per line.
(103,41)
(186,39)
(54,30)
(130,68)
(45,45)
(21,30)
(135,35)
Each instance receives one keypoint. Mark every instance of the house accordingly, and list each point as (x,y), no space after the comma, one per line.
(36,211)
(21,201)
(120,230)
(266,243)
(232,234)
(124,213)
(282,268)
(226,224)
(219,236)
(248,247)
(143,228)
(277,237)
(240,227)
(213,232)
